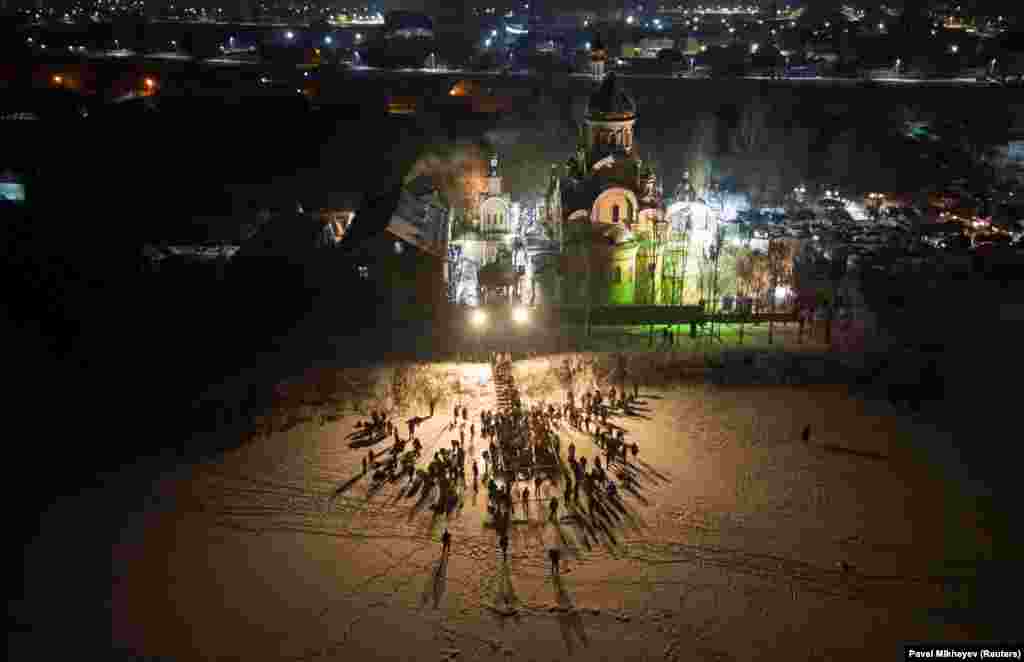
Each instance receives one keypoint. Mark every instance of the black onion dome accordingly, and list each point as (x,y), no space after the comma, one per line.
(610,101)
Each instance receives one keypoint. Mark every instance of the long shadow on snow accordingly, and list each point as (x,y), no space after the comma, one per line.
(344,487)
(569,620)
(435,588)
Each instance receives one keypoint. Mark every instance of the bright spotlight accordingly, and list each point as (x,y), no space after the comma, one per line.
(289,35)
(478,318)
(519,315)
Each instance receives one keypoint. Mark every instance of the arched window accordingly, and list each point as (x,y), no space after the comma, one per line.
(615,213)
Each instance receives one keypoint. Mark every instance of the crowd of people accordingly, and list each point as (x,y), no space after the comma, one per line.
(524,451)
(521,449)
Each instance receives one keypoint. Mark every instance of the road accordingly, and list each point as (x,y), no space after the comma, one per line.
(228,61)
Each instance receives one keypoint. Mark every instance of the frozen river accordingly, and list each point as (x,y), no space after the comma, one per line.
(741,542)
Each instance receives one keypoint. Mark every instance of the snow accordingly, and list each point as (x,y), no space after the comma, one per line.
(741,542)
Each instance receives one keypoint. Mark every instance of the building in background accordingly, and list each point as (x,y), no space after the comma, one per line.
(393,259)
(609,207)
(488,236)
(387,258)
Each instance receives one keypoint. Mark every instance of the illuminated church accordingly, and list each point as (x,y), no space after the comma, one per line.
(608,208)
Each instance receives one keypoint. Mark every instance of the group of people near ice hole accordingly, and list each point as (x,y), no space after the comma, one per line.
(522,443)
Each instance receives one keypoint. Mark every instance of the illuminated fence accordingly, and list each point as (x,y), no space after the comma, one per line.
(625,315)
(633,315)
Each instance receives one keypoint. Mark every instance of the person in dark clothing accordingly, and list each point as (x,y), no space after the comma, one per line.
(503,543)
(806,434)
(554,507)
(446,542)
(555,555)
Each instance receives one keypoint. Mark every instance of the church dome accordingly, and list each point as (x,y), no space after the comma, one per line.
(611,102)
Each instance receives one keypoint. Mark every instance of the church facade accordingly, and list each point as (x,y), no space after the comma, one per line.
(608,207)
(493,228)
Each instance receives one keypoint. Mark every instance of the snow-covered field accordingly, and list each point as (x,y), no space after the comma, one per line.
(742,542)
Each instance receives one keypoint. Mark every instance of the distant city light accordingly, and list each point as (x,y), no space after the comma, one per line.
(588,45)
(629,20)
(289,35)
(328,40)
(954,48)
